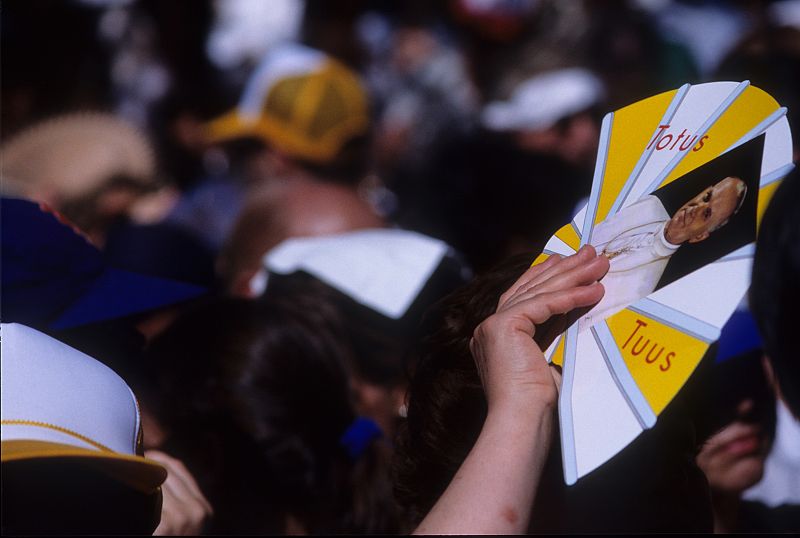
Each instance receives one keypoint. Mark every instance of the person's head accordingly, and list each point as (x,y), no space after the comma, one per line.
(651,486)
(309,112)
(552,113)
(707,212)
(254,397)
(382,340)
(775,289)
(295,209)
(71,443)
(92,167)
(740,410)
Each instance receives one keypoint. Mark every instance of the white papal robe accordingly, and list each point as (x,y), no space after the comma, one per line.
(633,240)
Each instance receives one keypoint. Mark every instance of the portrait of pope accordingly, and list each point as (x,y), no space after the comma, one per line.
(640,239)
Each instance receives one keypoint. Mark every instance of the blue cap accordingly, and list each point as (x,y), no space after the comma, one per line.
(53,278)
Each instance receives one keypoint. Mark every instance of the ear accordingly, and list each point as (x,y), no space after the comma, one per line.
(398,395)
(766,363)
(543,140)
(769,372)
(699,237)
(240,285)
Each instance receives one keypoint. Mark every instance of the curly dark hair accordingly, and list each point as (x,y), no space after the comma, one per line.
(653,485)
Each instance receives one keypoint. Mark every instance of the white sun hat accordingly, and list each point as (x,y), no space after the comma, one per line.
(382,269)
(541,101)
(60,403)
(71,156)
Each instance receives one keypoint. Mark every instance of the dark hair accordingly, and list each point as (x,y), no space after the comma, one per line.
(775,290)
(256,397)
(377,343)
(382,346)
(732,381)
(348,167)
(446,404)
(652,485)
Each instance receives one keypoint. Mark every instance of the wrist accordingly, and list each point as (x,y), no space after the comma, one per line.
(521,429)
(518,410)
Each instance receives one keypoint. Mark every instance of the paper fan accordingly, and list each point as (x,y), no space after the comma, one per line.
(704,158)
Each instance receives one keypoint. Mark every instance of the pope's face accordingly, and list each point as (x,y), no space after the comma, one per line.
(701,215)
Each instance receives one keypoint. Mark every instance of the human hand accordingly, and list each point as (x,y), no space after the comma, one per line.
(184,509)
(510,362)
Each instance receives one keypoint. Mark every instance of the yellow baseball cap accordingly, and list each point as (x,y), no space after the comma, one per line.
(301,102)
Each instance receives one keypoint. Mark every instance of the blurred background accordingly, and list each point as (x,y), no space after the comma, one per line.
(452,152)
(194,140)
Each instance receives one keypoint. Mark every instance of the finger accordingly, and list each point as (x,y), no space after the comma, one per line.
(175,466)
(562,264)
(161,457)
(167,526)
(183,482)
(182,473)
(582,274)
(529,274)
(171,503)
(181,514)
(584,254)
(167,489)
(177,480)
(540,308)
(555,371)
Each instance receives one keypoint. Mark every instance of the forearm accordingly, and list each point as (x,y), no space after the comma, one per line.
(493,490)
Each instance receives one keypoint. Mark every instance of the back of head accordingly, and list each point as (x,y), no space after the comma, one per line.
(382,345)
(308,107)
(775,289)
(294,209)
(257,412)
(90,166)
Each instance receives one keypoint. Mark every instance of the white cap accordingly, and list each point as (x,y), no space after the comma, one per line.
(539,102)
(60,403)
(383,269)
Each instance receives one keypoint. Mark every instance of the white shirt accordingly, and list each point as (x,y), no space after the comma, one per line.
(633,240)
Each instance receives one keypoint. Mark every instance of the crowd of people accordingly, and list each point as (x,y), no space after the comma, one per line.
(266,268)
